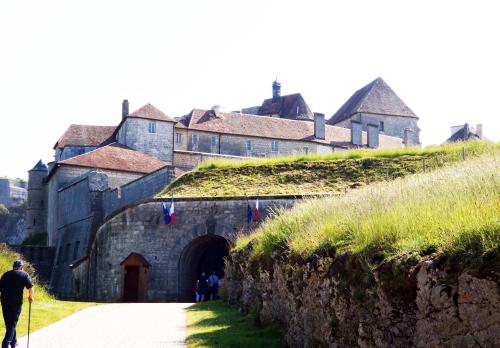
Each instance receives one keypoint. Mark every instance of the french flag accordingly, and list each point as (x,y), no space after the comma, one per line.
(256,213)
(172,213)
(166,214)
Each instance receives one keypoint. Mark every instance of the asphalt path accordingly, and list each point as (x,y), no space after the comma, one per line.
(131,325)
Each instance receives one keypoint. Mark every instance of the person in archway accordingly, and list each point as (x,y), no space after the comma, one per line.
(202,286)
(12,285)
(213,284)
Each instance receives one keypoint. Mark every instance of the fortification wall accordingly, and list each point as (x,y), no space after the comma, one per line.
(337,301)
(140,229)
(137,190)
(5,193)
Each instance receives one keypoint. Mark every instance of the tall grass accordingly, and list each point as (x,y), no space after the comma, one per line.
(455,209)
(471,148)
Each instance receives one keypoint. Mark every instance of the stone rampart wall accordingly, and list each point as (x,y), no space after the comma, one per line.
(339,302)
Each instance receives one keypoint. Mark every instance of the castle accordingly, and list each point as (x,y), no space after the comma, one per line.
(99,171)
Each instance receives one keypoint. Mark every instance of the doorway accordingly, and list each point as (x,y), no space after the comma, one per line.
(131,284)
(203,254)
(135,275)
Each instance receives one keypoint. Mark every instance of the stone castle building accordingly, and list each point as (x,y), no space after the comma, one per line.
(95,200)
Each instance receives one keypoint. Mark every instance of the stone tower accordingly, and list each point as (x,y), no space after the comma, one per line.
(37,200)
(5,192)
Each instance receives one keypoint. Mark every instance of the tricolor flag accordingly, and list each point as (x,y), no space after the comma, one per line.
(166,214)
(256,214)
(249,214)
(171,212)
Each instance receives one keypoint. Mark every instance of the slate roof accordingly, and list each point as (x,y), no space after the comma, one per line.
(150,112)
(40,166)
(84,135)
(116,157)
(376,98)
(269,127)
(292,106)
(463,134)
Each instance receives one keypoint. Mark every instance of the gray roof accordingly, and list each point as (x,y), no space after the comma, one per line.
(463,134)
(292,107)
(40,166)
(375,98)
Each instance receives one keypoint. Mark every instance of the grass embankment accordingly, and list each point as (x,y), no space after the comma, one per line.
(316,174)
(216,324)
(45,309)
(453,211)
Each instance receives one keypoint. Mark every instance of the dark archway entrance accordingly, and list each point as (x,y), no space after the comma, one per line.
(203,254)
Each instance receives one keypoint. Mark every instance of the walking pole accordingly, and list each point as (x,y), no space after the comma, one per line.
(29,324)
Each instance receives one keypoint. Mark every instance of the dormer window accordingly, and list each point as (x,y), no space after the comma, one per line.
(152,127)
(381,126)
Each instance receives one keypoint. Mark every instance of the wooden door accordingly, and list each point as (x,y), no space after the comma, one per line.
(131,284)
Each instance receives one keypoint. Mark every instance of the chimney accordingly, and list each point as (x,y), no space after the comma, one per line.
(479,131)
(276,89)
(125,108)
(406,137)
(319,125)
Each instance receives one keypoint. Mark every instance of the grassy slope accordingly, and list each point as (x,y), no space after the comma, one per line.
(315,174)
(453,211)
(216,324)
(45,309)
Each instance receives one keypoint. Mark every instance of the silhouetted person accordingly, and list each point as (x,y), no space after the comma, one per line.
(202,286)
(12,285)
(213,283)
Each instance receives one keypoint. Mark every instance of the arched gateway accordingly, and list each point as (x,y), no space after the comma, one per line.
(135,256)
(203,254)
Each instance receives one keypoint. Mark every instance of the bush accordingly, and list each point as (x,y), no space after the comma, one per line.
(36,239)
(3,210)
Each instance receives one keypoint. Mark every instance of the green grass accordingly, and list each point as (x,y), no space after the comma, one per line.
(45,309)
(454,211)
(316,174)
(216,324)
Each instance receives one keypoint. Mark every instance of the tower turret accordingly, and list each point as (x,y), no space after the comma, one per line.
(276,89)
(37,200)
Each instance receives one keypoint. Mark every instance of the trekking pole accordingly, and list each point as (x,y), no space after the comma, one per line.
(29,324)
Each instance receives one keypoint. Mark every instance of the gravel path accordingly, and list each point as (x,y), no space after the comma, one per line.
(135,325)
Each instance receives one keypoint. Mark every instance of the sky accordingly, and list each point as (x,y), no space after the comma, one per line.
(73,62)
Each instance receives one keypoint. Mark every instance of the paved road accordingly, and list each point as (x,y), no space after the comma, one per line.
(135,325)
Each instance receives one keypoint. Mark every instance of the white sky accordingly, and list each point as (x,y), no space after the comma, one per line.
(64,62)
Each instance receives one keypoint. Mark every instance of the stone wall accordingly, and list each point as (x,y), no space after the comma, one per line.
(40,257)
(393,125)
(172,250)
(72,151)
(135,134)
(5,193)
(339,302)
(140,189)
(187,160)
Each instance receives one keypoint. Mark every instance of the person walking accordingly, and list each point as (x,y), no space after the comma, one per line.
(12,285)
(213,284)
(202,286)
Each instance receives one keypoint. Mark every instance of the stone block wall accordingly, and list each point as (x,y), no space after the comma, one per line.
(393,125)
(137,190)
(187,160)
(135,134)
(140,229)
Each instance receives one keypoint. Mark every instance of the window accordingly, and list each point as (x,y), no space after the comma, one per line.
(66,254)
(214,140)
(75,250)
(381,126)
(194,139)
(275,146)
(34,221)
(152,127)
(306,150)
(41,203)
(249,145)
(178,138)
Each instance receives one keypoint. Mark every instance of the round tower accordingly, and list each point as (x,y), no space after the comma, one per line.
(276,89)
(37,200)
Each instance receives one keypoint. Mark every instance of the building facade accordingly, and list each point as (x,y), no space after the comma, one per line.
(101,170)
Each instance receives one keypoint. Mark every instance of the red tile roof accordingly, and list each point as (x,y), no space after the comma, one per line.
(116,157)
(83,135)
(270,127)
(148,111)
